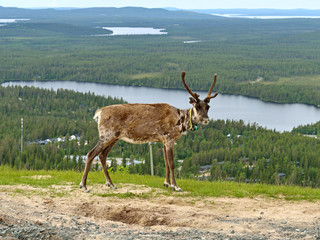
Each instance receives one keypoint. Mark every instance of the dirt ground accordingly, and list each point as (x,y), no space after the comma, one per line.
(137,218)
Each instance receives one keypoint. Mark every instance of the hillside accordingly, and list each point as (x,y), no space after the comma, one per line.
(46,205)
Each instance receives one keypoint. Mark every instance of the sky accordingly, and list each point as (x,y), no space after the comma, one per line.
(182,4)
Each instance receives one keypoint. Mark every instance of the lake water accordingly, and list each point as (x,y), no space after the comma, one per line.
(193,41)
(281,117)
(4,21)
(12,20)
(134,31)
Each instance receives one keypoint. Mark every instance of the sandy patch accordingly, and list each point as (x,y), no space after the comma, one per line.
(257,216)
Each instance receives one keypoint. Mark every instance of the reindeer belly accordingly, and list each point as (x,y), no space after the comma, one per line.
(141,137)
(134,141)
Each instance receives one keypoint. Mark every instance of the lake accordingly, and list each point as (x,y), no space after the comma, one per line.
(12,20)
(4,21)
(281,117)
(116,31)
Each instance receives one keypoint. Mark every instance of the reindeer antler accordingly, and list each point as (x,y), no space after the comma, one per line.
(210,90)
(194,95)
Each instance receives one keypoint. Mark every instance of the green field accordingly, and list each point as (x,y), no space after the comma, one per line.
(9,176)
(310,81)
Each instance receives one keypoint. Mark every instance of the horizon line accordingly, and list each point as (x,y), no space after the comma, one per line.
(166,8)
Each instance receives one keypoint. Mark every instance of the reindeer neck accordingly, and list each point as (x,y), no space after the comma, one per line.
(187,120)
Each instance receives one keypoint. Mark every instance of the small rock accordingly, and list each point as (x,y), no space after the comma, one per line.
(262,213)
(232,231)
(114,225)
(38,223)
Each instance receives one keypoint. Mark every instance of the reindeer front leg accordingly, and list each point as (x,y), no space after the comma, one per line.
(167,180)
(169,156)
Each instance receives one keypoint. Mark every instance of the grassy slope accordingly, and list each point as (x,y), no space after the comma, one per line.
(193,188)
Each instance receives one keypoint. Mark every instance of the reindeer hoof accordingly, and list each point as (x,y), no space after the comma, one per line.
(111,185)
(176,188)
(166,184)
(83,187)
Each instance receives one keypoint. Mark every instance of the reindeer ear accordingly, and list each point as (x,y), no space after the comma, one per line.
(192,100)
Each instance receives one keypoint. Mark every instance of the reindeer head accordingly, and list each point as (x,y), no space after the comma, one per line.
(200,107)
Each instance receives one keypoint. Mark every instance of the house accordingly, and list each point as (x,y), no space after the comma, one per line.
(205,168)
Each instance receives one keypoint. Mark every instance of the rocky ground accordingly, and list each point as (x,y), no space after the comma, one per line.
(66,212)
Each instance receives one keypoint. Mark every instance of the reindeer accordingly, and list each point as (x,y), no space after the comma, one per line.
(142,123)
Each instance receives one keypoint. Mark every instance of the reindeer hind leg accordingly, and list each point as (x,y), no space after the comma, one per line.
(103,157)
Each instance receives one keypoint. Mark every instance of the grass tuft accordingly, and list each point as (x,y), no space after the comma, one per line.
(125,195)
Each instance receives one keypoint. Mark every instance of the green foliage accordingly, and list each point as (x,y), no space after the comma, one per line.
(52,114)
(47,114)
(251,154)
(309,129)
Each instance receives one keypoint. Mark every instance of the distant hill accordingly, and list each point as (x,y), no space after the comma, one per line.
(95,13)
(142,12)
(261,12)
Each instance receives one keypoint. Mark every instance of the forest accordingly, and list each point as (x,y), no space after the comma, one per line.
(309,129)
(234,151)
(273,60)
